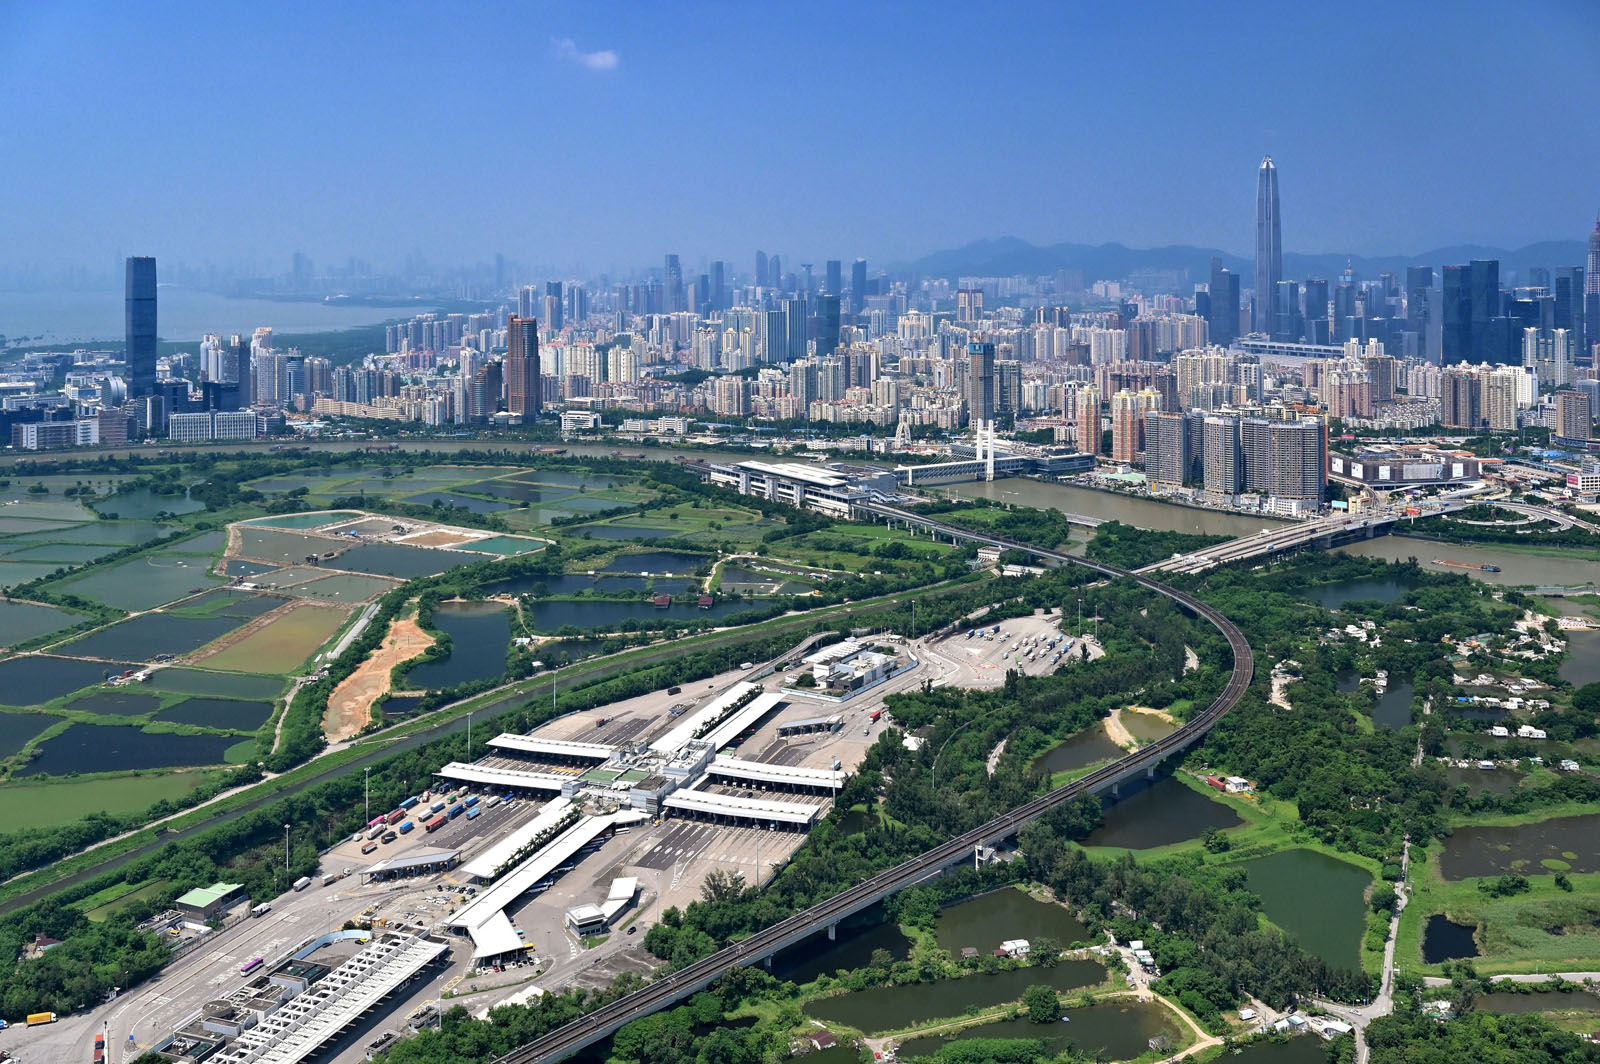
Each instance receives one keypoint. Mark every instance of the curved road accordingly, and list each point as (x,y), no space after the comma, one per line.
(603,1021)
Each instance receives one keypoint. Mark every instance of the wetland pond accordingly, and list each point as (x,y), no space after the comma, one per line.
(1392,709)
(989,919)
(1445,940)
(1512,1003)
(479,634)
(1301,1049)
(1560,844)
(890,1008)
(852,949)
(1159,814)
(1334,596)
(1316,898)
(1088,747)
(95,748)
(1120,1029)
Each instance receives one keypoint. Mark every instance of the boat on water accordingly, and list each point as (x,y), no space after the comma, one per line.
(1467,565)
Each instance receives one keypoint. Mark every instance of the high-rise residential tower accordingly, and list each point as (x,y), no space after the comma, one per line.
(677,298)
(139,317)
(553,306)
(980,382)
(1222,321)
(522,367)
(1269,246)
(1591,295)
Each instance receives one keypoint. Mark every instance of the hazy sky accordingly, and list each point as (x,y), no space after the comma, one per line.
(600,135)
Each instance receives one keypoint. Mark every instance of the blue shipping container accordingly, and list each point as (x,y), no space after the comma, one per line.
(471,801)
(472,813)
(406,827)
(456,810)
(409,802)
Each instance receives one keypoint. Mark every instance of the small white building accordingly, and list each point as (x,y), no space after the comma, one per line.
(1015,947)
(1528,731)
(1499,732)
(1235,784)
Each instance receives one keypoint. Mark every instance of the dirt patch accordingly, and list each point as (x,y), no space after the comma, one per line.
(350,705)
(435,539)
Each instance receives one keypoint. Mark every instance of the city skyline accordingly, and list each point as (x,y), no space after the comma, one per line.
(332,135)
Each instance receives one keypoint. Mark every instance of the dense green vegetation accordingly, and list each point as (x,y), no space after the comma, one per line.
(1131,548)
(1040,528)
(1455,529)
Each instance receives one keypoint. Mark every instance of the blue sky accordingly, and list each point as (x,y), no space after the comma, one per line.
(599,135)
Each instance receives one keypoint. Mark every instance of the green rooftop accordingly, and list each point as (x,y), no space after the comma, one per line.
(200,897)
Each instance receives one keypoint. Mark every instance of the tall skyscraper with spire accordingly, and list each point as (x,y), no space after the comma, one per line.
(1591,295)
(1269,246)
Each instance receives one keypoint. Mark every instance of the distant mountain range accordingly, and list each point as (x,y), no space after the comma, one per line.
(1008,256)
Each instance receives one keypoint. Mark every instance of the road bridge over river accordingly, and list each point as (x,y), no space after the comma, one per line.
(761,946)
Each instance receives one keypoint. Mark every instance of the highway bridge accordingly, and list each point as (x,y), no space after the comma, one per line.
(760,947)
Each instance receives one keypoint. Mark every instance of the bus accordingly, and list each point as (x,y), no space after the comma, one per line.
(250,965)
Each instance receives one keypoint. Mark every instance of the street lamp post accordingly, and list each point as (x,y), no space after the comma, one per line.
(286,848)
(369,793)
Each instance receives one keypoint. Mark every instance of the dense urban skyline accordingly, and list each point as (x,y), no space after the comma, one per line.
(333,144)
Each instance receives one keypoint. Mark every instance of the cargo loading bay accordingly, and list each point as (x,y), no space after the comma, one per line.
(626,792)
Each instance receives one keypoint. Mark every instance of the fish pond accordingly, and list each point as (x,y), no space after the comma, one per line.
(891,1008)
(1118,1030)
(17,728)
(550,615)
(224,713)
(1392,707)
(679,563)
(1560,844)
(392,559)
(22,621)
(151,634)
(216,684)
(1445,940)
(479,634)
(1159,814)
(142,503)
(94,748)
(989,919)
(465,502)
(115,703)
(1316,898)
(145,582)
(282,643)
(41,678)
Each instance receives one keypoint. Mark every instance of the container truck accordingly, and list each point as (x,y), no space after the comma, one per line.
(437,822)
(379,830)
(472,814)
(456,810)
(406,827)
(37,1018)
(329,878)
(302,883)
(370,847)
(409,802)
(471,801)
(436,807)
(395,817)
(492,802)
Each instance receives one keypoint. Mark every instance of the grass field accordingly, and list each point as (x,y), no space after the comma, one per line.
(282,644)
(104,908)
(43,805)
